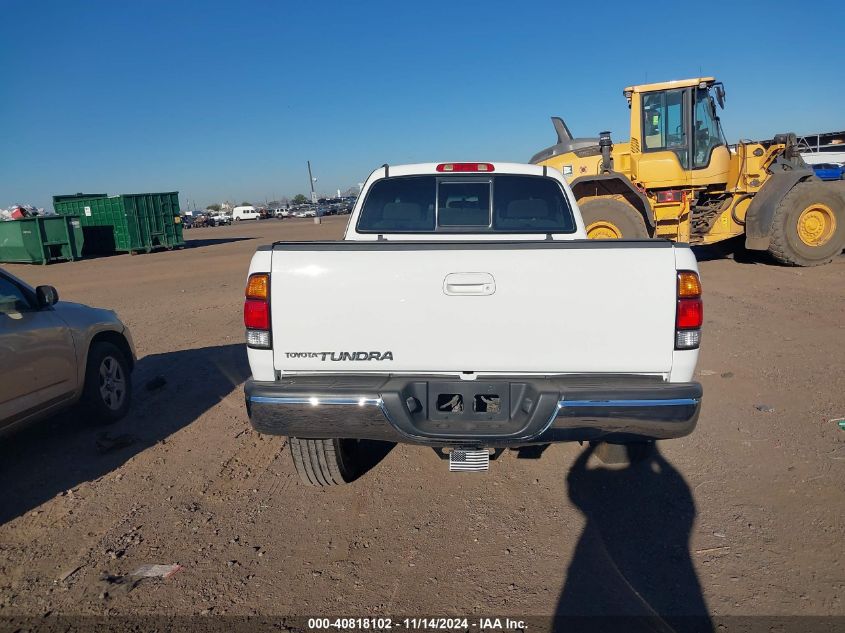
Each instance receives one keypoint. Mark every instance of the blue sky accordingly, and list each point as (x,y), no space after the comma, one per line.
(228,100)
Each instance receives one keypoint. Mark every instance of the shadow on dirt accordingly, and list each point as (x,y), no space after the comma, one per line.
(735,249)
(213,241)
(46,458)
(531,452)
(368,454)
(732,249)
(632,565)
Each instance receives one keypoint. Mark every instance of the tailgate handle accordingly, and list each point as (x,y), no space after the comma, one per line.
(469,284)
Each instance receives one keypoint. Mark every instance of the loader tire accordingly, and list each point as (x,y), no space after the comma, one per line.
(606,218)
(808,228)
(323,462)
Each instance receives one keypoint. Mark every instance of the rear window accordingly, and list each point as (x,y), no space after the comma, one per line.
(502,203)
(463,203)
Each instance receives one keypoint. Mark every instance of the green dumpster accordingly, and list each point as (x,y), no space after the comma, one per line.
(41,239)
(133,223)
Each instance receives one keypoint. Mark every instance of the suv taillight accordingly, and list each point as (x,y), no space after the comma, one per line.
(689,313)
(257,311)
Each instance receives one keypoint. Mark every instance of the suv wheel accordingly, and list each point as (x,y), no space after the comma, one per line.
(107,393)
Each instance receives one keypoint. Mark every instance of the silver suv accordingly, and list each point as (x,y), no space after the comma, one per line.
(55,354)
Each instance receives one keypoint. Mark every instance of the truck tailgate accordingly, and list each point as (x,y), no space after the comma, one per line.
(505,307)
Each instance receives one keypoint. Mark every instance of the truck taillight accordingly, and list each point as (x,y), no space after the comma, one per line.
(689,313)
(257,311)
(256,315)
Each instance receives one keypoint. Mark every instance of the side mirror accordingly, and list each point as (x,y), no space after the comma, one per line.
(46,296)
(720,95)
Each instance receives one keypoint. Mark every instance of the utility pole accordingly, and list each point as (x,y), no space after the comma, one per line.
(311,182)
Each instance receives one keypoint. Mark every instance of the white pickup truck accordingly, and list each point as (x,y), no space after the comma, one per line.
(466,310)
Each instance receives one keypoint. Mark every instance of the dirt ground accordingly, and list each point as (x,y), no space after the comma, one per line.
(745,516)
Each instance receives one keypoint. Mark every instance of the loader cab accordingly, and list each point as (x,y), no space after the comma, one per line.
(676,138)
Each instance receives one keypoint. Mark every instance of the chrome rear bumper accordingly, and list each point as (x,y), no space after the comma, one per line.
(535,410)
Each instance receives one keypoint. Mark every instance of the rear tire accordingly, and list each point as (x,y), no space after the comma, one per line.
(607,218)
(324,462)
(808,228)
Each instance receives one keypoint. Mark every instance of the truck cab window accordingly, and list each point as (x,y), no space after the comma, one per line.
(663,123)
(463,203)
(706,135)
(504,203)
(400,205)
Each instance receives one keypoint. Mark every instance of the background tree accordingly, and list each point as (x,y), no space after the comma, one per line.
(299,199)
(246,204)
(213,207)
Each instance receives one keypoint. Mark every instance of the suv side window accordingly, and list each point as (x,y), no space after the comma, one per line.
(13,300)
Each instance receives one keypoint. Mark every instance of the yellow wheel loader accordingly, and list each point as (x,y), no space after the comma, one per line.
(677,178)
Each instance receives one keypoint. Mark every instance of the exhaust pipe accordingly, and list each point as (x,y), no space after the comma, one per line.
(606,146)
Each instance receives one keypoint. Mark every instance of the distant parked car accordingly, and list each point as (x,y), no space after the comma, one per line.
(829,171)
(57,354)
(347,204)
(219,218)
(187,221)
(245,213)
(199,220)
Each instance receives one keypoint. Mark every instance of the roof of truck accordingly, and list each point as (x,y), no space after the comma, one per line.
(668,85)
(431,168)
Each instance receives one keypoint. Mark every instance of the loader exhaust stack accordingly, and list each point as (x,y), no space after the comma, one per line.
(606,146)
